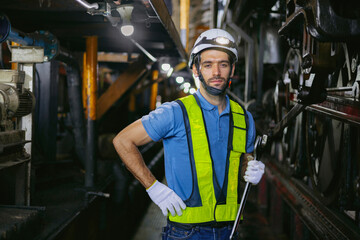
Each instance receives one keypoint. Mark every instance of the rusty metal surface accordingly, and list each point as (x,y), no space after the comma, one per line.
(324,19)
(321,221)
(19,222)
(164,17)
(11,148)
(292,114)
(123,84)
(340,108)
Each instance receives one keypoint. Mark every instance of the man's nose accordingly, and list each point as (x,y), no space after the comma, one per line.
(216,70)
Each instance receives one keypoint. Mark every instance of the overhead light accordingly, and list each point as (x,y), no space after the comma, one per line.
(192,90)
(125,11)
(187,85)
(127,30)
(165,67)
(171,70)
(179,79)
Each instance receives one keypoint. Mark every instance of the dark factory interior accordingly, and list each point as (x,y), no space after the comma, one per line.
(74,73)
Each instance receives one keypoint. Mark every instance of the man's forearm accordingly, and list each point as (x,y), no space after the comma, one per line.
(126,144)
(134,162)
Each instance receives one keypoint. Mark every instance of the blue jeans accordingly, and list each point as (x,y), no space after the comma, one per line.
(171,232)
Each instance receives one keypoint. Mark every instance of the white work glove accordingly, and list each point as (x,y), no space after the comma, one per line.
(254,171)
(166,199)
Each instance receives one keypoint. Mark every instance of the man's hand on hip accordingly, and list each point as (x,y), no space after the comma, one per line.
(166,199)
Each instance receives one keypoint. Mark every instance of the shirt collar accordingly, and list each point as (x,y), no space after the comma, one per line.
(208,106)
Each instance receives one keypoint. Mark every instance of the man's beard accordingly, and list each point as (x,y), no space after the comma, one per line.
(212,90)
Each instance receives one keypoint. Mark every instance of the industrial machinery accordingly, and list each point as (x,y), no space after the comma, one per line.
(308,98)
(321,71)
(16,102)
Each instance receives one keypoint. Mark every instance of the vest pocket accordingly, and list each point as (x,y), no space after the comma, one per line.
(240,136)
(239,120)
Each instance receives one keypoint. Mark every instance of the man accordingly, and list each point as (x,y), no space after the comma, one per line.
(208,143)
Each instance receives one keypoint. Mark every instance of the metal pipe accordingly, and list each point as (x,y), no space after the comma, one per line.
(14,65)
(339,89)
(88,5)
(76,111)
(246,192)
(214,13)
(249,62)
(84,83)
(260,74)
(20,38)
(241,209)
(236,98)
(184,22)
(224,15)
(151,57)
(76,105)
(91,89)
(40,38)
(154,89)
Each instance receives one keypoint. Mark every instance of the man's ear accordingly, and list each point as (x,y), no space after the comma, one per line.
(196,74)
(232,70)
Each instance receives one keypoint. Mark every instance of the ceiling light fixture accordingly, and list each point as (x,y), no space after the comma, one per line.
(127,29)
(171,70)
(187,85)
(179,79)
(165,67)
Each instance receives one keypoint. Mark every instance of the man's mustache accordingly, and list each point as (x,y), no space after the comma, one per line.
(217,78)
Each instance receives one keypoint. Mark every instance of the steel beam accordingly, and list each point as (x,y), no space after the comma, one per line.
(124,82)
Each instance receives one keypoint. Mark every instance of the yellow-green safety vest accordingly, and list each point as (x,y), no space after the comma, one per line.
(210,210)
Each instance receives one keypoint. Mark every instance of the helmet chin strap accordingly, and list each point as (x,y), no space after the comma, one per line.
(212,90)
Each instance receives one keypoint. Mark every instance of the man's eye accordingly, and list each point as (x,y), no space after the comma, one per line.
(207,65)
(224,65)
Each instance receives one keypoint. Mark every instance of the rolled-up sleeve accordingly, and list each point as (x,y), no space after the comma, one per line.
(159,123)
(251,134)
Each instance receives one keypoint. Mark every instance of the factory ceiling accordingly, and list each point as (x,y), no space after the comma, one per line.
(70,23)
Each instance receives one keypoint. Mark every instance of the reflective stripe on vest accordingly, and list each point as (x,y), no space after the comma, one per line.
(210,210)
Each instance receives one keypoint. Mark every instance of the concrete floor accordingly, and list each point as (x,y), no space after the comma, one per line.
(151,225)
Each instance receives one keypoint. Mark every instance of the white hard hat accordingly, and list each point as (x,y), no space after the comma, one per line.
(214,38)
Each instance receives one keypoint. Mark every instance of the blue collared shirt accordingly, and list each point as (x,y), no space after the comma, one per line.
(167,123)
